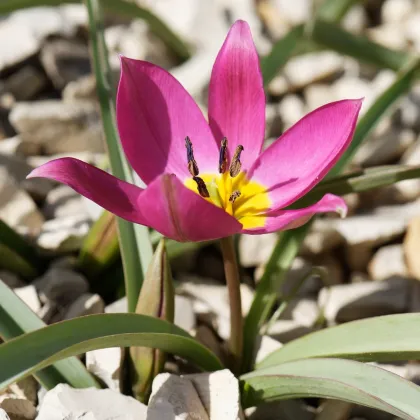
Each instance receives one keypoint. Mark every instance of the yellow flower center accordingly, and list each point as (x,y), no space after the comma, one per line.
(244,199)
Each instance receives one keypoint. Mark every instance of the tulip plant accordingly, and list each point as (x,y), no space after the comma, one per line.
(211,179)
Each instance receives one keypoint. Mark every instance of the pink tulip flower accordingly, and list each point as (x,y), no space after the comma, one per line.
(211,179)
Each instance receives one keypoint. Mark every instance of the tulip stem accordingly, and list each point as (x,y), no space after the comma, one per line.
(233,283)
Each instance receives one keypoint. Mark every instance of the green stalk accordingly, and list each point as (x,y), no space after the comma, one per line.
(136,249)
(234,288)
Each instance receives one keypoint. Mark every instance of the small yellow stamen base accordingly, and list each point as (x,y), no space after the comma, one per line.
(247,208)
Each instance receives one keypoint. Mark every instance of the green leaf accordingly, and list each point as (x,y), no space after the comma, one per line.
(16,319)
(363,180)
(280,53)
(33,351)
(16,254)
(100,247)
(377,110)
(335,10)
(384,338)
(120,7)
(265,296)
(289,244)
(136,248)
(334,378)
(337,39)
(295,41)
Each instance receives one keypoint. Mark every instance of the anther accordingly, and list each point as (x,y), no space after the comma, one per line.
(236,194)
(201,187)
(235,165)
(192,164)
(223,156)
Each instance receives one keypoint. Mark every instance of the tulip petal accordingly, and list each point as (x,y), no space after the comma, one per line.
(114,195)
(291,219)
(236,95)
(181,214)
(155,114)
(304,154)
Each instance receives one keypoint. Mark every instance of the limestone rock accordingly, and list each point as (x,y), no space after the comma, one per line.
(388,261)
(18,409)
(86,304)
(17,208)
(412,247)
(100,404)
(59,127)
(65,234)
(11,279)
(348,302)
(105,364)
(29,295)
(61,286)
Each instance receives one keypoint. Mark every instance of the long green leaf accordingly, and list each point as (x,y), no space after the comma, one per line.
(265,296)
(136,248)
(16,319)
(16,254)
(33,351)
(289,243)
(385,338)
(335,38)
(120,7)
(295,41)
(364,180)
(368,122)
(334,378)
(335,10)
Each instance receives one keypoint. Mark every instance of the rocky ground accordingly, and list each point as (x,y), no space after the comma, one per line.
(48,109)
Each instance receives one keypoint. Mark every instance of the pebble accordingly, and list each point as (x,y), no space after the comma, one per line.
(61,286)
(396,11)
(11,279)
(63,201)
(355,20)
(411,247)
(255,250)
(285,330)
(29,295)
(19,409)
(184,313)
(86,304)
(65,61)
(65,234)
(17,208)
(295,12)
(388,35)
(25,83)
(100,404)
(388,261)
(105,364)
(291,110)
(3,415)
(302,70)
(348,302)
(59,127)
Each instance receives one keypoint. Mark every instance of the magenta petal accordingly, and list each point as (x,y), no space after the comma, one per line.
(236,95)
(109,192)
(291,219)
(304,154)
(180,214)
(155,114)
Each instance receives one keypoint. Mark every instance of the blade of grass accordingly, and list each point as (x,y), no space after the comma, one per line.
(16,319)
(79,335)
(289,243)
(17,255)
(365,180)
(335,38)
(135,243)
(335,10)
(120,7)
(379,108)
(295,41)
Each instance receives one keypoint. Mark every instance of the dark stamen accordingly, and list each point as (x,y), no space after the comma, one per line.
(201,187)
(192,164)
(235,165)
(236,194)
(223,156)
